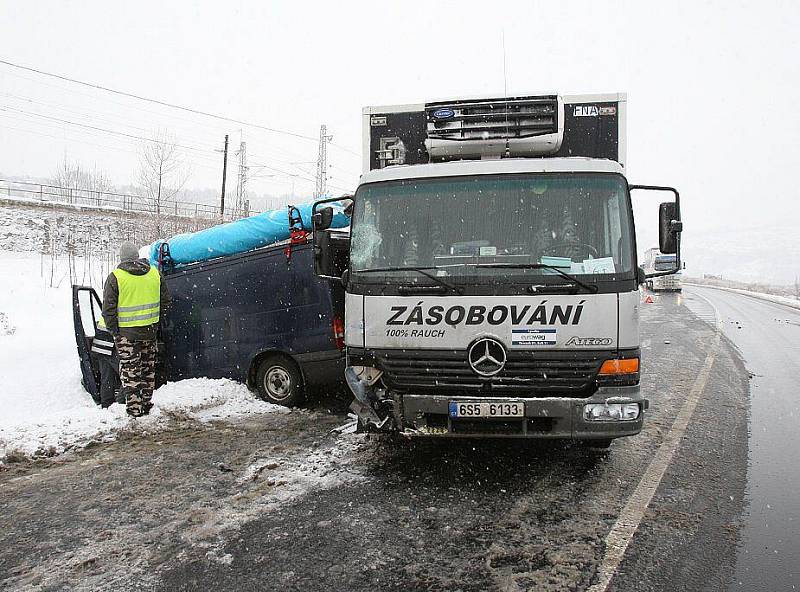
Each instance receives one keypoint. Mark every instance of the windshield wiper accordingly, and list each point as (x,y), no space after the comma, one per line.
(589,287)
(553,288)
(424,271)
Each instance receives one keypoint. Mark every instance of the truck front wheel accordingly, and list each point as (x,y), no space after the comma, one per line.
(279,381)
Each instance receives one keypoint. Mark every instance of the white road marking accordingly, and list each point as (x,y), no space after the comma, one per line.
(631,515)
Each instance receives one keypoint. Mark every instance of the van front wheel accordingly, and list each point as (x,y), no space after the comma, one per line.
(278,381)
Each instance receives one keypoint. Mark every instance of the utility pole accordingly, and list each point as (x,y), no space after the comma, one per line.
(241,183)
(224,174)
(322,163)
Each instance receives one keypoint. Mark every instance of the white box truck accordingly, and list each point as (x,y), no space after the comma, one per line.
(491,278)
(654,261)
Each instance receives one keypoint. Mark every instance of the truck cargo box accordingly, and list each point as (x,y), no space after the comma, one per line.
(523,126)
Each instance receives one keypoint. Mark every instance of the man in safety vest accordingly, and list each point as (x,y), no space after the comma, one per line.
(134,298)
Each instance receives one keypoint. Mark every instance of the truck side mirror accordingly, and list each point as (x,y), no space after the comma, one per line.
(330,249)
(322,219)
(668,228)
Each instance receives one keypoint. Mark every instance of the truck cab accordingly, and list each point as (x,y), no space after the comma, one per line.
(492,287)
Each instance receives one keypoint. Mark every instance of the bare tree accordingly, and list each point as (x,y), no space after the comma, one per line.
(76,182)
(100,184)
(69,177)
(162,171)
(797,288)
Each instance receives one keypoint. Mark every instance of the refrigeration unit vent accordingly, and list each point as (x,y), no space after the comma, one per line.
(515,126)
(496,118)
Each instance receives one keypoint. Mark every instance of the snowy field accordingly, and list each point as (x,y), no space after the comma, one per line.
(44,410)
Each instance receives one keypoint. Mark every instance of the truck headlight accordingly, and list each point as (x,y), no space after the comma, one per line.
(611,411)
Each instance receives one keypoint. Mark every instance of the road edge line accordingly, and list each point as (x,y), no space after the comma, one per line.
(621,534)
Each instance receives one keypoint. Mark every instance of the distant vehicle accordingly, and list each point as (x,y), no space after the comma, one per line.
(656,261)
(262,318)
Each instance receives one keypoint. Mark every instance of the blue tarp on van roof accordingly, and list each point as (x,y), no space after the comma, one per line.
(239,236)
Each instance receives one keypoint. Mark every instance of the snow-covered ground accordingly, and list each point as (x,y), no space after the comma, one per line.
(44,410)
(31,228)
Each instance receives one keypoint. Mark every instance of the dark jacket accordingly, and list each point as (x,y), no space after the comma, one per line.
(111,297)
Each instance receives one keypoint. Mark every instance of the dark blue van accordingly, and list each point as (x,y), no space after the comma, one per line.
(262,317)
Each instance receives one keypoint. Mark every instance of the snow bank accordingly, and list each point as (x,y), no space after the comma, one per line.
(790,302)
(44,410)
(204,399)
(55,430)
(39,371)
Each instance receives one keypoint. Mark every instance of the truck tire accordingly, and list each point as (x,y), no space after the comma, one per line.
(278,381)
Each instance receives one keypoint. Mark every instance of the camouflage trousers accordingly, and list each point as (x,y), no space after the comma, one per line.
(137,373)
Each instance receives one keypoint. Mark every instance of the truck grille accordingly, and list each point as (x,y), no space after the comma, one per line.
(531,373)
(493,118)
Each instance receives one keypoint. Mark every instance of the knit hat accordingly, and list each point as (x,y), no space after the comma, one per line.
(128,252)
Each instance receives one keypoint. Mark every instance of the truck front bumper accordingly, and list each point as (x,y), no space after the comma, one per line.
(545,417)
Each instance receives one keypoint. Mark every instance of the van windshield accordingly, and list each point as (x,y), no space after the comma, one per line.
(577,222)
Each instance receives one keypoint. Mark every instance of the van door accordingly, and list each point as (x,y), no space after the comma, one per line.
(86,309)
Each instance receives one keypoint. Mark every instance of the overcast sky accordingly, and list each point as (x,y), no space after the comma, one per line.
(713,90)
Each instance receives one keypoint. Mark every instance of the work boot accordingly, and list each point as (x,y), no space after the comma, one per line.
(135,410)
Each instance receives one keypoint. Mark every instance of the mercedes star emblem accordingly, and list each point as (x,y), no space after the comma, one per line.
(487,356)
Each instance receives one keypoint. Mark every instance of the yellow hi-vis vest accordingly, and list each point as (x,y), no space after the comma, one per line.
(139,299)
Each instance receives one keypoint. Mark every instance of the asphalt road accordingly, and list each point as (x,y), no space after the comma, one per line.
(768,337)
(277,503)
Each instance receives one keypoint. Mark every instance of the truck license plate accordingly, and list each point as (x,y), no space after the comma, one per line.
(493,409)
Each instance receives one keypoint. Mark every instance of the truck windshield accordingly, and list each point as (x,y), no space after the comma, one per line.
(664,263)
(578,222)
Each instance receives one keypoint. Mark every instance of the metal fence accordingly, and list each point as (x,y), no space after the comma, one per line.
(73,196)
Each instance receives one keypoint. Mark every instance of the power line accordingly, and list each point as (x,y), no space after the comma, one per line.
(93,127)
(104,146)
(201,154)
(165,103)
(39,133)
(94,116)
(215,167)
(108,100)
(200,143)
(193,122)
(253,164)
(280,172)
(210,153)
